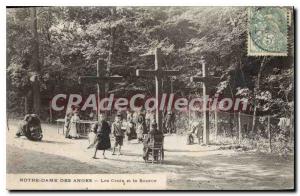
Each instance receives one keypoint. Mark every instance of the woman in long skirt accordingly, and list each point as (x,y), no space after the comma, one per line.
(102,131)
(73,126)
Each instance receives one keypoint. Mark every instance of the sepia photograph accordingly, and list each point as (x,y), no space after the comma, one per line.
(150,98)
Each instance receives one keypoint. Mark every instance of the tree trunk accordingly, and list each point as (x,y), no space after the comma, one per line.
(27,102)
(239,128)
(216,124)
(35,65)
(26,111)
(256,90)
(110,51)
(269,134)
(231,124)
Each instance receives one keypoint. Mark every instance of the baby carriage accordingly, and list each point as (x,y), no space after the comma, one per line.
(31,128)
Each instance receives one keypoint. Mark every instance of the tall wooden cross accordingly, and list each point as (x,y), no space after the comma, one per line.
(159,74)
(205,79)
(101,79)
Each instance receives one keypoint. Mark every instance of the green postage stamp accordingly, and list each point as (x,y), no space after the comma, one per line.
(267,31)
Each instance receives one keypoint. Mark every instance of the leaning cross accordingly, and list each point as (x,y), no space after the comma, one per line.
(103,79)
(159,75)
(205,79)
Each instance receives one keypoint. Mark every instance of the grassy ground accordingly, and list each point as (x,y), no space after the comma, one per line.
(187,166)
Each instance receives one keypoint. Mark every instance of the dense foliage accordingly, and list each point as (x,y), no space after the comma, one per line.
(72,39)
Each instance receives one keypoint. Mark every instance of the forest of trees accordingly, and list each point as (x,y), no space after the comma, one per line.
(48,48)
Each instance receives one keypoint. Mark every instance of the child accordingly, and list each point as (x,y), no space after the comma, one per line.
(118,133)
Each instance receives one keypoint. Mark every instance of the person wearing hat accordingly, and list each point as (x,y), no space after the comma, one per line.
(118,133)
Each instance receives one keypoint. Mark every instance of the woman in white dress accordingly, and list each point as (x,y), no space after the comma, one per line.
(73,128)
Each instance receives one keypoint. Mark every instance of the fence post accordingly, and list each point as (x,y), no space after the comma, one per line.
(269,133)
(189,121)
(240,127)
(50,113)
(26,105)
(216,124)
(292,131)
(7,125)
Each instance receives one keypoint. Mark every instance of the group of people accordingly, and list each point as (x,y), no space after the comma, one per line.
(139,123)
(136,125)
(102,131)
(169,122)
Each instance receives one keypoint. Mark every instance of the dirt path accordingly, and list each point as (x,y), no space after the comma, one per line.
(187,167)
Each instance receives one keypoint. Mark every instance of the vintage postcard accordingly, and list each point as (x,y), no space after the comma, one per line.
(150,98)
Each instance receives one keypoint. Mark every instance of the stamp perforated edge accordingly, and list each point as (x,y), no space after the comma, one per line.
(250,42)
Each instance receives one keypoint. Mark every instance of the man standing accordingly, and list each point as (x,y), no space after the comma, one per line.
(118,133)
